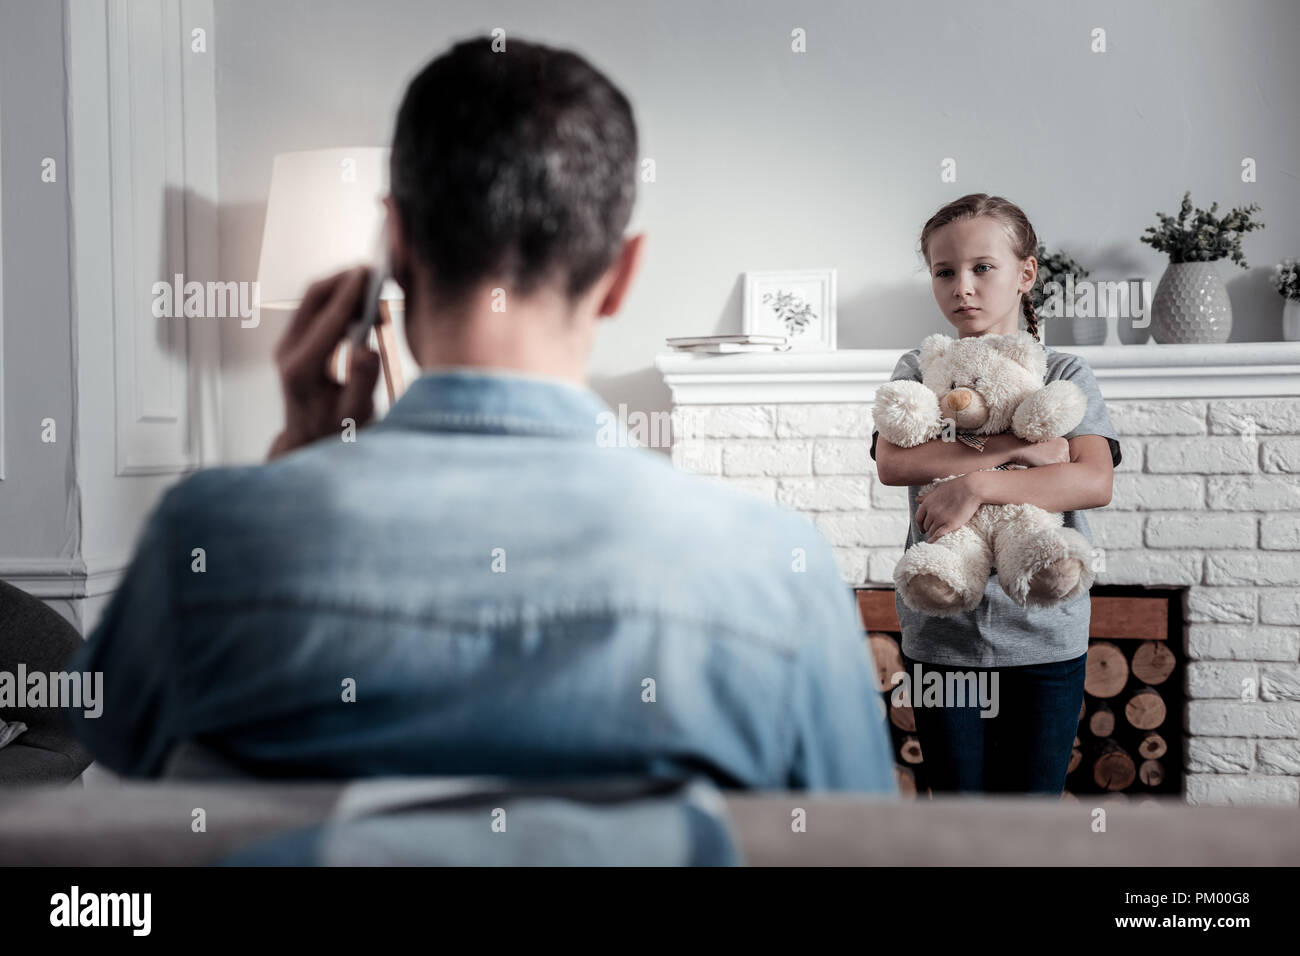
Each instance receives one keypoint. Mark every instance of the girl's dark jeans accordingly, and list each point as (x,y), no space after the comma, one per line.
(1025,748)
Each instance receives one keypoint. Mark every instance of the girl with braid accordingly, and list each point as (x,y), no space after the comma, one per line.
(1015,736)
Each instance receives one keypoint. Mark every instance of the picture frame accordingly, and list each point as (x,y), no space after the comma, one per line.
(796,303)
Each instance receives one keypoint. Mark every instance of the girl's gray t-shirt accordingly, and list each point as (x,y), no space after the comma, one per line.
(999,633)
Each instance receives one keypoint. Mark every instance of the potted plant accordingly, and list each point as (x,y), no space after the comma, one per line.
(1286,279)
(1056,267)
(1191,303)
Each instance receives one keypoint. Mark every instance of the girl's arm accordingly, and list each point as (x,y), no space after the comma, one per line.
(1084,482)
(937,458)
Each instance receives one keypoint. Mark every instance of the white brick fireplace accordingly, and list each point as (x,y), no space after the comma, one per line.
(1207,498)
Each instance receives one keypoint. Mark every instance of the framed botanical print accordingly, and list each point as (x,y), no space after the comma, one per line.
(799,304)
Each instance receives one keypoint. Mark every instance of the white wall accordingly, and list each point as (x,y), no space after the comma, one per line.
(40,520)
(769,159)
(114,95)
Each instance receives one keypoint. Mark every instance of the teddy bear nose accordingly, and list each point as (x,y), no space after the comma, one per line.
(959,399)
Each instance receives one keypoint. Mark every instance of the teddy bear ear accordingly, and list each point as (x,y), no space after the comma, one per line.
(1023,349)
(934,346)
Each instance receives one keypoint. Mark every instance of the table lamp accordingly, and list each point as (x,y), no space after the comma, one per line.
(323,214)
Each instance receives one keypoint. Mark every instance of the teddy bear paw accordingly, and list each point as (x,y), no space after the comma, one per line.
(1046,568)
(931,594)
(1051,584)
(935,591)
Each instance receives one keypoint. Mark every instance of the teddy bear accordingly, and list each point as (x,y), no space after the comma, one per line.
(985,385)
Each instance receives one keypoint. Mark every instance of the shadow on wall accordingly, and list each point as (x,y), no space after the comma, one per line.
(641,391)
(1256,306)
(893,316)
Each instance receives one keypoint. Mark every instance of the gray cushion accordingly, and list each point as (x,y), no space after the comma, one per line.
(34,634)
(21,763)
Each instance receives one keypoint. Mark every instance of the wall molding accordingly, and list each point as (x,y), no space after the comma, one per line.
(66,578)
(146,156)
(142,104)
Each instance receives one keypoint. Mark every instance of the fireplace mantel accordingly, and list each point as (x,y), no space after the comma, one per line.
(1239,369)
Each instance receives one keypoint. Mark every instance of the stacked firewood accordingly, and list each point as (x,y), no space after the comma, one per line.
(888,657)
(1122,742)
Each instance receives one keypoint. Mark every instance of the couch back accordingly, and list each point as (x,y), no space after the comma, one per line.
(148,824)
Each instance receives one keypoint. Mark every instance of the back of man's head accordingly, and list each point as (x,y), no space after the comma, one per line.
(517,165)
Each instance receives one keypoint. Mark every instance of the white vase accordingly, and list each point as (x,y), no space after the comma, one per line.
(1088,331)
(1134,326)
(1291,321)
(1191,305)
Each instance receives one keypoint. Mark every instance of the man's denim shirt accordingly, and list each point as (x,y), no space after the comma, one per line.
(489,580)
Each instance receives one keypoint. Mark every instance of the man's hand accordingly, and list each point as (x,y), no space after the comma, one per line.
(948,506)
(1053,451)
(314,403)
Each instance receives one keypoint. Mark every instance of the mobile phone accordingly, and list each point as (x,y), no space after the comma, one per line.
(360,327)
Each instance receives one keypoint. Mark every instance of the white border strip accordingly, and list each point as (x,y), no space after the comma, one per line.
(1240,369)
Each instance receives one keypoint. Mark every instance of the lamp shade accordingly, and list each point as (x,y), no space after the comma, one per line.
(324,214)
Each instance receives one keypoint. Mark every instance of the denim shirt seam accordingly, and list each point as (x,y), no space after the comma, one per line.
(472,421)
(793,674)
(796,673)
(784,648)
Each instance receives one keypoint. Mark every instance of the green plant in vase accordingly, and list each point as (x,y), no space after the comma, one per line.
(1050,303)
(1191,303)
(1286,279)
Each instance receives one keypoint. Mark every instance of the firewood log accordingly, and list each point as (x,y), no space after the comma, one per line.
(906,781)
(1107,670)
(1113,769)
(888,657)
(1151,773)
(1153,662)
(1152,747)
(1145,710)
(1102,721)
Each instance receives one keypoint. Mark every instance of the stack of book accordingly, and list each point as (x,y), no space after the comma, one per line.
(730,343)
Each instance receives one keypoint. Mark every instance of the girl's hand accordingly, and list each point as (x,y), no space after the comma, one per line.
(948,506)
(1053,451)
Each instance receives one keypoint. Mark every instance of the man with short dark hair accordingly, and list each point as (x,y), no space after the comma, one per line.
(482,582)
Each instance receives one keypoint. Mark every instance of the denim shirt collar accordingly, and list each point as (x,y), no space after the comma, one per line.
(497,402)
